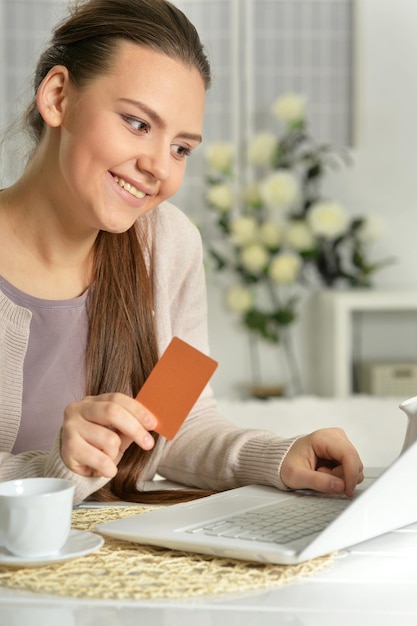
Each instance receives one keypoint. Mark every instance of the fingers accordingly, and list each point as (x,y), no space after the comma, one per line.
(118,413)
(325,461)
(98,430)
(334,446)
(84,458)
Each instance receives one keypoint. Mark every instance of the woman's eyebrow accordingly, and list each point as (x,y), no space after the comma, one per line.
(156,118)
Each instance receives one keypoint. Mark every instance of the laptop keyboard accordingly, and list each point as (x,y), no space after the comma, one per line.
(277,523)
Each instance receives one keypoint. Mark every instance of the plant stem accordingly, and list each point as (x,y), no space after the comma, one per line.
(287,344)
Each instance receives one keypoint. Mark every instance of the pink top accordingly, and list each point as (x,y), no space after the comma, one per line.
(53,372)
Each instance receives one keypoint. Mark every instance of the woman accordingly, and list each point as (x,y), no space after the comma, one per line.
(99,272)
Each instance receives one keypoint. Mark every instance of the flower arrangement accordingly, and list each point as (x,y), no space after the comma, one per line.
(278,234)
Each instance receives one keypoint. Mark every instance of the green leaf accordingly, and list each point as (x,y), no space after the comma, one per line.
(260,323)
(284,316)
(220,262)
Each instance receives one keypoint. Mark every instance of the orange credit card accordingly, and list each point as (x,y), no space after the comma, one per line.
(174,385)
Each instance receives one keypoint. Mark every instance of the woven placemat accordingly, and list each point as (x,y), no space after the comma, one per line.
(128,571)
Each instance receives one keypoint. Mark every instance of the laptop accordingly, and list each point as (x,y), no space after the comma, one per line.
(266,525)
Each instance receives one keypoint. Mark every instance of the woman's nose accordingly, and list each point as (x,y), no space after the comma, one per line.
(156,162)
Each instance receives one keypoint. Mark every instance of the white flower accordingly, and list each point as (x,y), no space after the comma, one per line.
(254,258)
(270,234)
(221,197)
(261,149)
(280,189)
(220,156)
(327,219)
(244,230)
(239,299)
(298,235)
(373,228)
(285,268)
(289,108)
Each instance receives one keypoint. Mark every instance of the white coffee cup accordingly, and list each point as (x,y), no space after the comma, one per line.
(35,515)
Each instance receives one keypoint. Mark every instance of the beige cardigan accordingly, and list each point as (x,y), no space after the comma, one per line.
(208,452)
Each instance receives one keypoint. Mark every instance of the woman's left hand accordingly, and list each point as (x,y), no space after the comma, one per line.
(325,461)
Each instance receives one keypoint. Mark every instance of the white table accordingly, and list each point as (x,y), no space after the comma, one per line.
(362,588)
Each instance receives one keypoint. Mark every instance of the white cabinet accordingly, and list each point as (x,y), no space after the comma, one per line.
(340,341)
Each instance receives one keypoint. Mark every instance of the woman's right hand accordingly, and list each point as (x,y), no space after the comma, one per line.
(98,430)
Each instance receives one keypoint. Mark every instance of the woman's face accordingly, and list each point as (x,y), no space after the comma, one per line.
(122,143)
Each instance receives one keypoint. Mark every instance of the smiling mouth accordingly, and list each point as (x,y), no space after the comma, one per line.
(128,187)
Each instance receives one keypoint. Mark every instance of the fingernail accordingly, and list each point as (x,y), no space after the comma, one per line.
(148,442)
(337,486)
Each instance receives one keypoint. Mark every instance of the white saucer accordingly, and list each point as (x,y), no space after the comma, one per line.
(79,543)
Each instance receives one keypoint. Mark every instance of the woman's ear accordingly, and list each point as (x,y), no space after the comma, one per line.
(52,95)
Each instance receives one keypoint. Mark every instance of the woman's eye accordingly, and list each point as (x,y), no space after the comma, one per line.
(181,151)
(136,123)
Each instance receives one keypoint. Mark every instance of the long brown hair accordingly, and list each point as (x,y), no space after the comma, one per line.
(122,347)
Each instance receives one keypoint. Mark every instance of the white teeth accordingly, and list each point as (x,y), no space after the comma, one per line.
(130,188)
